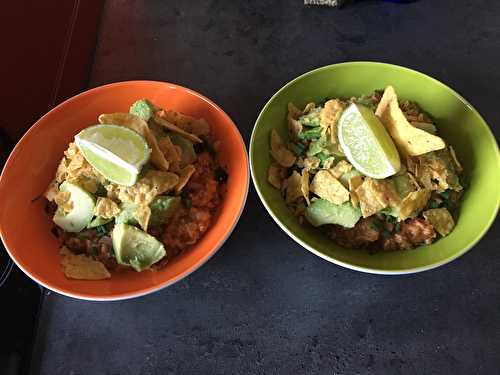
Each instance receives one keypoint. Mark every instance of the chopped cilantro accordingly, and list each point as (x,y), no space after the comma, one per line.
(434,204)
(101,230)
(445,194)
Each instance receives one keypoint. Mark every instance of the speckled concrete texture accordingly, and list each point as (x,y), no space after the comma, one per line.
(264,305)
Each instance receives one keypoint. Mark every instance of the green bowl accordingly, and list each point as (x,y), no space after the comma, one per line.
(458,122)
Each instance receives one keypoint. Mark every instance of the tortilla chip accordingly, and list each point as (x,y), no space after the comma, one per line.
(187,123)
(279,152)
(440,219)
(82,267)
(326,186)
(146,189)
(52,190)
(409,139)
(275,175)
(435,171)
(63,201)
(456,163)
(329,117)
(413,203)
(304,185)
(311,163)
(142,214)
(184,176)
(308,108)
(375,195)
(354,183)
(293,185)
(161,121)
(171,152)
(106,208)
(140,126)
(341,168)
(294,126)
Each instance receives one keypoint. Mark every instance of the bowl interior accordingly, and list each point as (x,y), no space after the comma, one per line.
(25,228)
(457,122)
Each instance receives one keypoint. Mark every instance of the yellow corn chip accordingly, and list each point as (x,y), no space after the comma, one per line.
(187,123)
(106,208)
(435,171)
(140,126)
(52,191)
(409,139)
(440,219)
(293,186)
(82,267)
(329,117)
(413,203)
(172,152)
(308,108)
(304,185)
(311,163)
(354,183)
(146,189)
(280,153)
(63,201)
(458,166)
(294,126)
(328,187)
(275,175)
(161,121)
(375,195)
(142,214)
(184,176)
(341,168)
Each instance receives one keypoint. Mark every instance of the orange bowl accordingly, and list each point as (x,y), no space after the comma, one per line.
(26,230)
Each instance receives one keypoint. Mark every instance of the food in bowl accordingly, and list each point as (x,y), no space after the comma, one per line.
(134,191)
(372,172)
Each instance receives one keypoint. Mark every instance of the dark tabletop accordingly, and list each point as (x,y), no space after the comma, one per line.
(263,304)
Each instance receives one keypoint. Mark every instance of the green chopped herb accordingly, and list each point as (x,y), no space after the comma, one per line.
(386,233)
(397,227)
(221,175)
(434,204)
(298,148)
(445,194)
(310,134)
(375,225)
(322,157)
(390,219)
(101,230)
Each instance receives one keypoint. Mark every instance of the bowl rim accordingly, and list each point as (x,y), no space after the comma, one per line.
(379,271)
(182,275)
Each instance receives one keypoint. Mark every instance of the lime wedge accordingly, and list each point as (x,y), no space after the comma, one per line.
(366,143)
(118,153)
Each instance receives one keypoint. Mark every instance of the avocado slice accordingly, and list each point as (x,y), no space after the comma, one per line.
(321,212)
(135,248)
(162,208)
(82,212)
(126,215)
(142,108)
(188,153)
